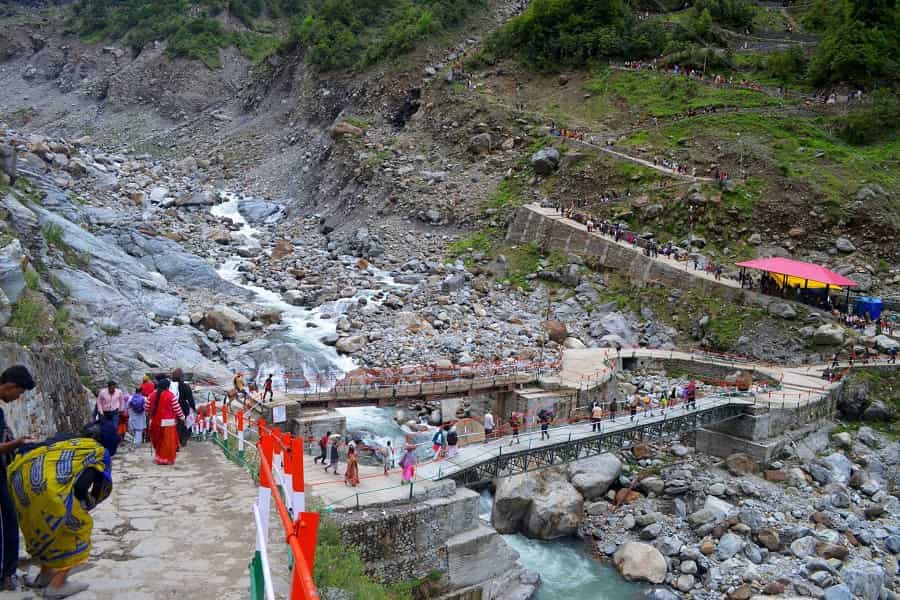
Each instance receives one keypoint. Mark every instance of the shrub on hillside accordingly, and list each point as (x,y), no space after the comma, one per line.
(879,122)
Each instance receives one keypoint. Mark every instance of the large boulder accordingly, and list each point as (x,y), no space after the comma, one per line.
(834,468)
(541,505)
(741,464)
(640,562)
(255,210)
(545,161)
(351,344)
(829,334)
(783,310)
(593,476)
(226,321)
(877,411)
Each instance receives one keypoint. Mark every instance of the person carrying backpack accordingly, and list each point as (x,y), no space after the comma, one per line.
(323,448)
(437,443)
(137,418)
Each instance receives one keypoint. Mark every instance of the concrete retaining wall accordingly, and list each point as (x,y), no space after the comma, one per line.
(530,226)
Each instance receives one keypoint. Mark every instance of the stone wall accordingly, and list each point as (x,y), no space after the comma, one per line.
(441,533)
(408,540)
(59,403)
(529,226)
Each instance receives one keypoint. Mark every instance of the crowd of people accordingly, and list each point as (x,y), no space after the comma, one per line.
(50,487)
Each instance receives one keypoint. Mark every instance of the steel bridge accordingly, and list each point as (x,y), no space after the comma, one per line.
(514,462)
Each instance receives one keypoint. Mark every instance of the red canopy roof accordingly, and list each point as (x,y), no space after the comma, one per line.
(799,269)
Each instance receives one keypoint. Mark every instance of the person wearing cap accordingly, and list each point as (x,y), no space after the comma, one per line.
(109,402)
(14,381)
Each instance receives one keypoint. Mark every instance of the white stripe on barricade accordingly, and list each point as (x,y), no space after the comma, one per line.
(263,504)
(262,534)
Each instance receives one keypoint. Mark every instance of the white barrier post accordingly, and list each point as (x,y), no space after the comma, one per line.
(265,485)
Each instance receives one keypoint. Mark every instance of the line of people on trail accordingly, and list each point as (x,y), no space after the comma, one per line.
(329,449)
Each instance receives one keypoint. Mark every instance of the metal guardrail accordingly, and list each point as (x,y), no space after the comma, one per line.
(531,459)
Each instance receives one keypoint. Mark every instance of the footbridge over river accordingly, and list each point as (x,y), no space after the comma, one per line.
(780,400)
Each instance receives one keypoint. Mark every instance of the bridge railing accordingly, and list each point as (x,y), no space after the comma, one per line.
(387,378)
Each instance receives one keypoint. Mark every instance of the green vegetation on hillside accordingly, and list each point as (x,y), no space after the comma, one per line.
(334,33)
(663,96)
(860,42)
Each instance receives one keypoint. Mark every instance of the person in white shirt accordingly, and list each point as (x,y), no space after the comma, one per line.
(488,426)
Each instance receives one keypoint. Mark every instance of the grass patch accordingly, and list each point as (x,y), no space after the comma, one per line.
(30,319)
(340,566)
(521,261)
(54,235)
(32,280)
(664,96)
(728,321)
(798,147)
(482,241)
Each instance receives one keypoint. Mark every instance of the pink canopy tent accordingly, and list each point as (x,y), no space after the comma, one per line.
(799,271)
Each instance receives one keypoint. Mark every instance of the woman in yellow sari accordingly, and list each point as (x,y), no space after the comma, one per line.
(53,487)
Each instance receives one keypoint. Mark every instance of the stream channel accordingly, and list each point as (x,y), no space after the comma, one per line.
(567,569)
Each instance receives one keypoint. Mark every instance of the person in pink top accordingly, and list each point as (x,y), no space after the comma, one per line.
(109,402)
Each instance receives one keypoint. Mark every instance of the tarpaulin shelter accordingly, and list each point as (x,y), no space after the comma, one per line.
(800,275)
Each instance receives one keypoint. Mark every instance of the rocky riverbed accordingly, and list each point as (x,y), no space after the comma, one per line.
(150,229)
(821,522)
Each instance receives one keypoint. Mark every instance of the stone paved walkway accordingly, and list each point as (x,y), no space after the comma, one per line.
(182,532)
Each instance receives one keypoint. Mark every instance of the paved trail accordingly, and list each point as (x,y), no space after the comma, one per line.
(180,532)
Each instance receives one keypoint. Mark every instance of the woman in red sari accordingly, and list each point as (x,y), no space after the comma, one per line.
(164,412)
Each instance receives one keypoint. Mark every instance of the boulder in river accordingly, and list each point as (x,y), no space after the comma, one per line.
(593,476)
(640,562)
(541,505)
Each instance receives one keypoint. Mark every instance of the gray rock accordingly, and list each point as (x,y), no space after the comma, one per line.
(829,334)
(877,411)
(844,245)
(837,592)
(836,468)
(670,546)
(651,532)
(684,582)
(729,545)
(892,543)
(12,277)
(350,344)
(453,283)
(660,594)
(752,518)
(688,566)
(804,547)
(867,436)
(545,161)
(842,440)
(592,477)
(864,579)
(255,210)
(782,310)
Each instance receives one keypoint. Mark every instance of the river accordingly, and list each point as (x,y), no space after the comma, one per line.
(567,569)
